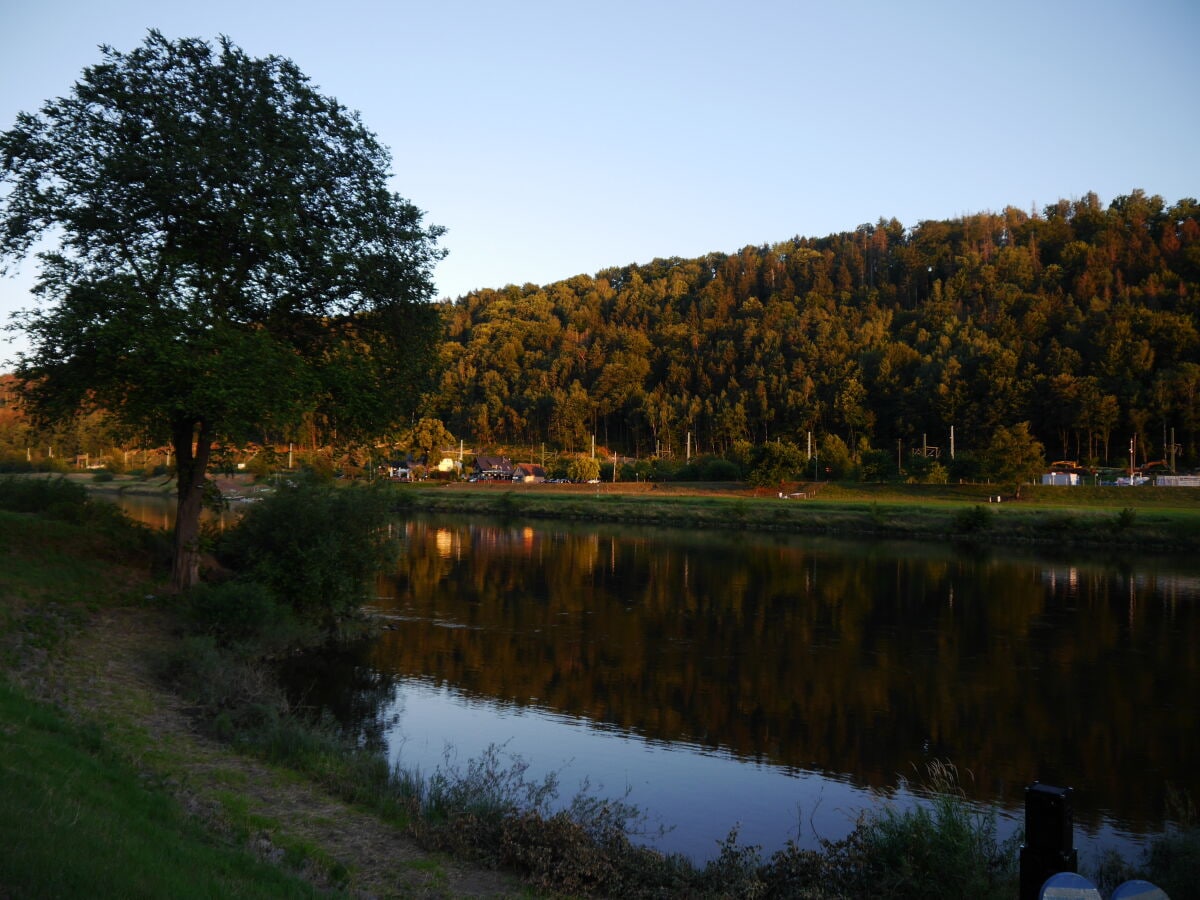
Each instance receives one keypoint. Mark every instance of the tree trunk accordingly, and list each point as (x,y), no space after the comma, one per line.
(191,466)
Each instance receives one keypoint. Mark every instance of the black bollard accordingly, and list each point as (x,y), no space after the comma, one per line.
(1049,840)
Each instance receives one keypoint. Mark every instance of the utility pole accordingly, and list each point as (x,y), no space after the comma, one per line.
(952,442)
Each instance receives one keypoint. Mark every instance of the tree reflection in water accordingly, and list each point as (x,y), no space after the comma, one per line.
(854,660)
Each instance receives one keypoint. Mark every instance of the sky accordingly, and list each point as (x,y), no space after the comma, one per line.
(557,138)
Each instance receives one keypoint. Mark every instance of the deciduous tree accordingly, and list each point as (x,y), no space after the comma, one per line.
(227,255)
(1015,455)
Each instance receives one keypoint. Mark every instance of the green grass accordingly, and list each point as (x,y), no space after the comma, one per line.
(54,573)
(76,821)
(1166,519)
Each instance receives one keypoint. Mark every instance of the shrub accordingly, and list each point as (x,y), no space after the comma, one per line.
(320,467)
(15,462)
(713,468)
(944,849)
(57,498)
(36,495)
(243,612)
(972,521)
(227,687)
(1173,860)
(794,872)
(835,460)
(1124,520)
(488,788)
(937,474)
(583,469)
(776,461)
(555,854)
(877,465)
(314,548)
(736,872)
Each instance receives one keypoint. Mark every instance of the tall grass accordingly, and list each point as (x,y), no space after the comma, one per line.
(946,848)
(1171,861)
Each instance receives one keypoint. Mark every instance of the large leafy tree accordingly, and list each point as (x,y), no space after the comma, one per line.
(225,256)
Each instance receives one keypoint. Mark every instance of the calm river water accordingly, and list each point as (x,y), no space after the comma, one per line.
(779,683)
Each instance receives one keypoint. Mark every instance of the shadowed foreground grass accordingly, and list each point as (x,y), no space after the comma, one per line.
(76,821)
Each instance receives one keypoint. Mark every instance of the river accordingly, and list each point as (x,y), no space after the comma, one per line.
(782,684)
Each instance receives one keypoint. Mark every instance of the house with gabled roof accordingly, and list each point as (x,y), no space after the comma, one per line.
(494,468)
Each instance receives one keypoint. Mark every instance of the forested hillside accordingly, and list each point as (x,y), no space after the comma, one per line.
(1080,319)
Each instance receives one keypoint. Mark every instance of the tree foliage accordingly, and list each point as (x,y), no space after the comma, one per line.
(227,256)
(1014,455)
(316,550)
(427,437)
(583,469)
(1079,319)
(775,462)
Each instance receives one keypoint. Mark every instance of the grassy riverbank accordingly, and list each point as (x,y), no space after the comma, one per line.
(1146,519)
(108,787)
(78,817)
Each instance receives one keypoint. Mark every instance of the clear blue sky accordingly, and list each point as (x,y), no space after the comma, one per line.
(554,138)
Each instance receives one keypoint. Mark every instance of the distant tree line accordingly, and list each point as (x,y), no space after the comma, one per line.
(1079,320)
(1072,331)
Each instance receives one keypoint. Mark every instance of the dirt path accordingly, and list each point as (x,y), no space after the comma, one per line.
(104,675)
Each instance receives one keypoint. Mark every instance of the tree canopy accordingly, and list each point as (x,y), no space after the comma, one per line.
(1082,320)
(225,255)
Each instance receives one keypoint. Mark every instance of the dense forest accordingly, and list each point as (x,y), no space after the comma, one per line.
(1080,320)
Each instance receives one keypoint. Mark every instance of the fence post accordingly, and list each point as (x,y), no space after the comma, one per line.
(1049,839)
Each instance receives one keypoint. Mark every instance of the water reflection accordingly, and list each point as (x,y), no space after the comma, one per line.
(158,510)
(832,665)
